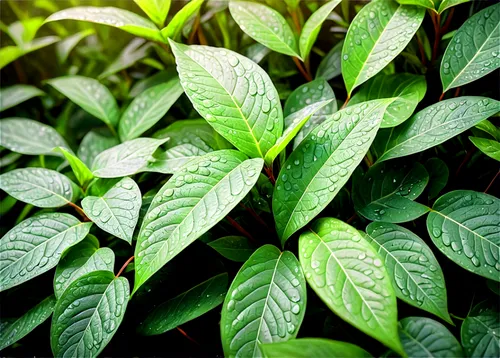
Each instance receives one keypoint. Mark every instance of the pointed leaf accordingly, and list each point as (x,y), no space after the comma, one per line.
(179,20)
(170,161)
(330,65)
(489,147)
(446,4)
(313,347)
(157,10)
(13,95)
(234,248)
(81,171)
(66,45)
(428,4)
(136,50)
(490,128)
(479,331)
(92,145)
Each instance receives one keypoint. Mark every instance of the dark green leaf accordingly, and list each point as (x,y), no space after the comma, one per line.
(330,65)
(479,331)
(66,45)
(438,176)
(313,347)
(235,248)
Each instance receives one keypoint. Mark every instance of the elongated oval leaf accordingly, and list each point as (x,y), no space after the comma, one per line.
(65,46)
(473,52)
(186,307)
(157,10)
(438,123)
(322,163)
(330,65)
(346,272)
(135,51)
(313,347)
(438,176)
(489,147)
(35,246)
(428,4)
(233,94)
(170,161)
(184,207)
(81,171)
(14,95)
(265,25)
(465,226)
(379,32)
(490,128)
(235,248)
(88,314)
(479,331)
(414,270)
(266,303)
(178,22)
(92,145)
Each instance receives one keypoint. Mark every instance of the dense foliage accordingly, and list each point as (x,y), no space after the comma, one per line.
(250,178)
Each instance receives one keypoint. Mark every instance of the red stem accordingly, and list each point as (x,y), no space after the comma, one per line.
(124,266)
(80,211)
(187,336)
(240,229)
(302,70)
(466,159)
(436,19)
(422,52)
(255,216)
(351,219)
(270,174)
(492,181)
(441,97)
(346,101)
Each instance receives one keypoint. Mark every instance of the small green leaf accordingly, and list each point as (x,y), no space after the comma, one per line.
(35,246)
(330,65)
(266,303)
(465,226)
(135,51)
(438,176)
(92,145)
(490,128)
(179,20)
(185,307)
(88,314)
(313,347)
(16,94)
(479,331)
(157,10)
(234,248)
(489,147)
(81,171)
(170,161)
(66,45)
(446,4)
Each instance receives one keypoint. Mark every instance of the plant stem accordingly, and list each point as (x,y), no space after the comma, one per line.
(447,23)
(42,161)
(441,97)
(255,216)
(194,30)
(124,266)
(422,52)
(79,210)
(270,174)
(456,317)
(436,19)
(302,70)
(466,159)
(201,36)
(240,229)
(492,181)
(457,92)
(346,101)
(352,218)
(295,19)
(187,336)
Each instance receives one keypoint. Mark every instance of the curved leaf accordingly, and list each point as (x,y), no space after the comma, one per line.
(313,347)
(438,176)
(235,248)
(330,65)
(135,51)
(479,331)
(179,20)
(428,4)
(9,54)
(157,10)
(92,145)
(446,4)
(170,161)
(81,171)
(489,147)
(13,95)
(66,45)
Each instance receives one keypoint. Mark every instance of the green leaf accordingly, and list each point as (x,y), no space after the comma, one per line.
(312,27)
(234,248)
(428,4)
(185,307)
(29,137)
(489,147)
(330,65)
(117,211)
(148,108)
(473,52)
(81,171)
(9,54)
(408,90)
(266,303)
(16,330)
(136,50)
(438,123)
(465,226)
(88,314)
(322,163)
(222,177)
(446,4)
(91,95)
(66,45)
(180,19)
(346,272)
(16,94)
(379,32)
(233,94)
(414,270)
(35,246)
(92,145)
(313,347)
(22,32)
(265,25)
(44,188)
(125,159)
(438,176)
(490,128)
(424,337)
(479,331)
(170,161)
(157,10)
(111,16)
(386,192)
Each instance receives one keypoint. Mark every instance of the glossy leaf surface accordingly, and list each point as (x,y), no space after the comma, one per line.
(235,248)
(489,147)
(81,171)
(313,347)
(13,95)
(479,331)
(92,145)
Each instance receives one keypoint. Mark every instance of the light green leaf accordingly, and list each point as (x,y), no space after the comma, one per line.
(29,137)
(12,53)
(266,303)
(446,4)
(234,248)
(408,90)
(479,331)
(330,65)
(66,45)
(81,171)
(111,16)
(438,176)
(157,10)
(438,123)
(16,94)
(414,270)
(379,32)
(136,50)
(322,163)
(92,145)
(473,52)
(313,347)
(224,177)
(233,94)
(179,20)
(125,159)
(91,95)
(312,27)
(489,147)
(16,330)
(22,32)
(170,161)
(465,226)
(428,4)
(265,25)
(185,307)
(490,128)
(35,246)
(44,188)
(148,108)
(88,314)
(117,211)
(148,82)
(346,272)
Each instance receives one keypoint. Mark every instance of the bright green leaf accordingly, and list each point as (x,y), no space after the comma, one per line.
(16,94)
(428,4)
(489,147)
(490,128)
(179,20)
(171,160)
(9,54)
(157,10)
(81,171)
(313,347)
(446,4)
(234,248)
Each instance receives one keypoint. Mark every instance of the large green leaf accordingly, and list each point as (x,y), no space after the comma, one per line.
(40,187)
(89,94)
(438,123)
(473,52)
(414,270)
(157,10)
(266,303)
(408,90)
(30,137)
(88,314)
(312,27)
(490,147)
(479,331)
(35,246)
(111,16)
(194,199)
(178,22)
(92,145)
(322,163)
(233,94)
(313,347)
(16,330)
(265,25)
(186,306)
(465,226)
(235,248)
(330,65)
(346,272)
(81,171)
(117,211)
(379,32)
(13,95)
(438,176)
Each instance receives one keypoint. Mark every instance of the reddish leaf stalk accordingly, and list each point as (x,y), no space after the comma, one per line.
(187,336)
(302,70)
(255,216)
(124,266)
(238,227)
(491,182)
(79,210)
(270,174)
